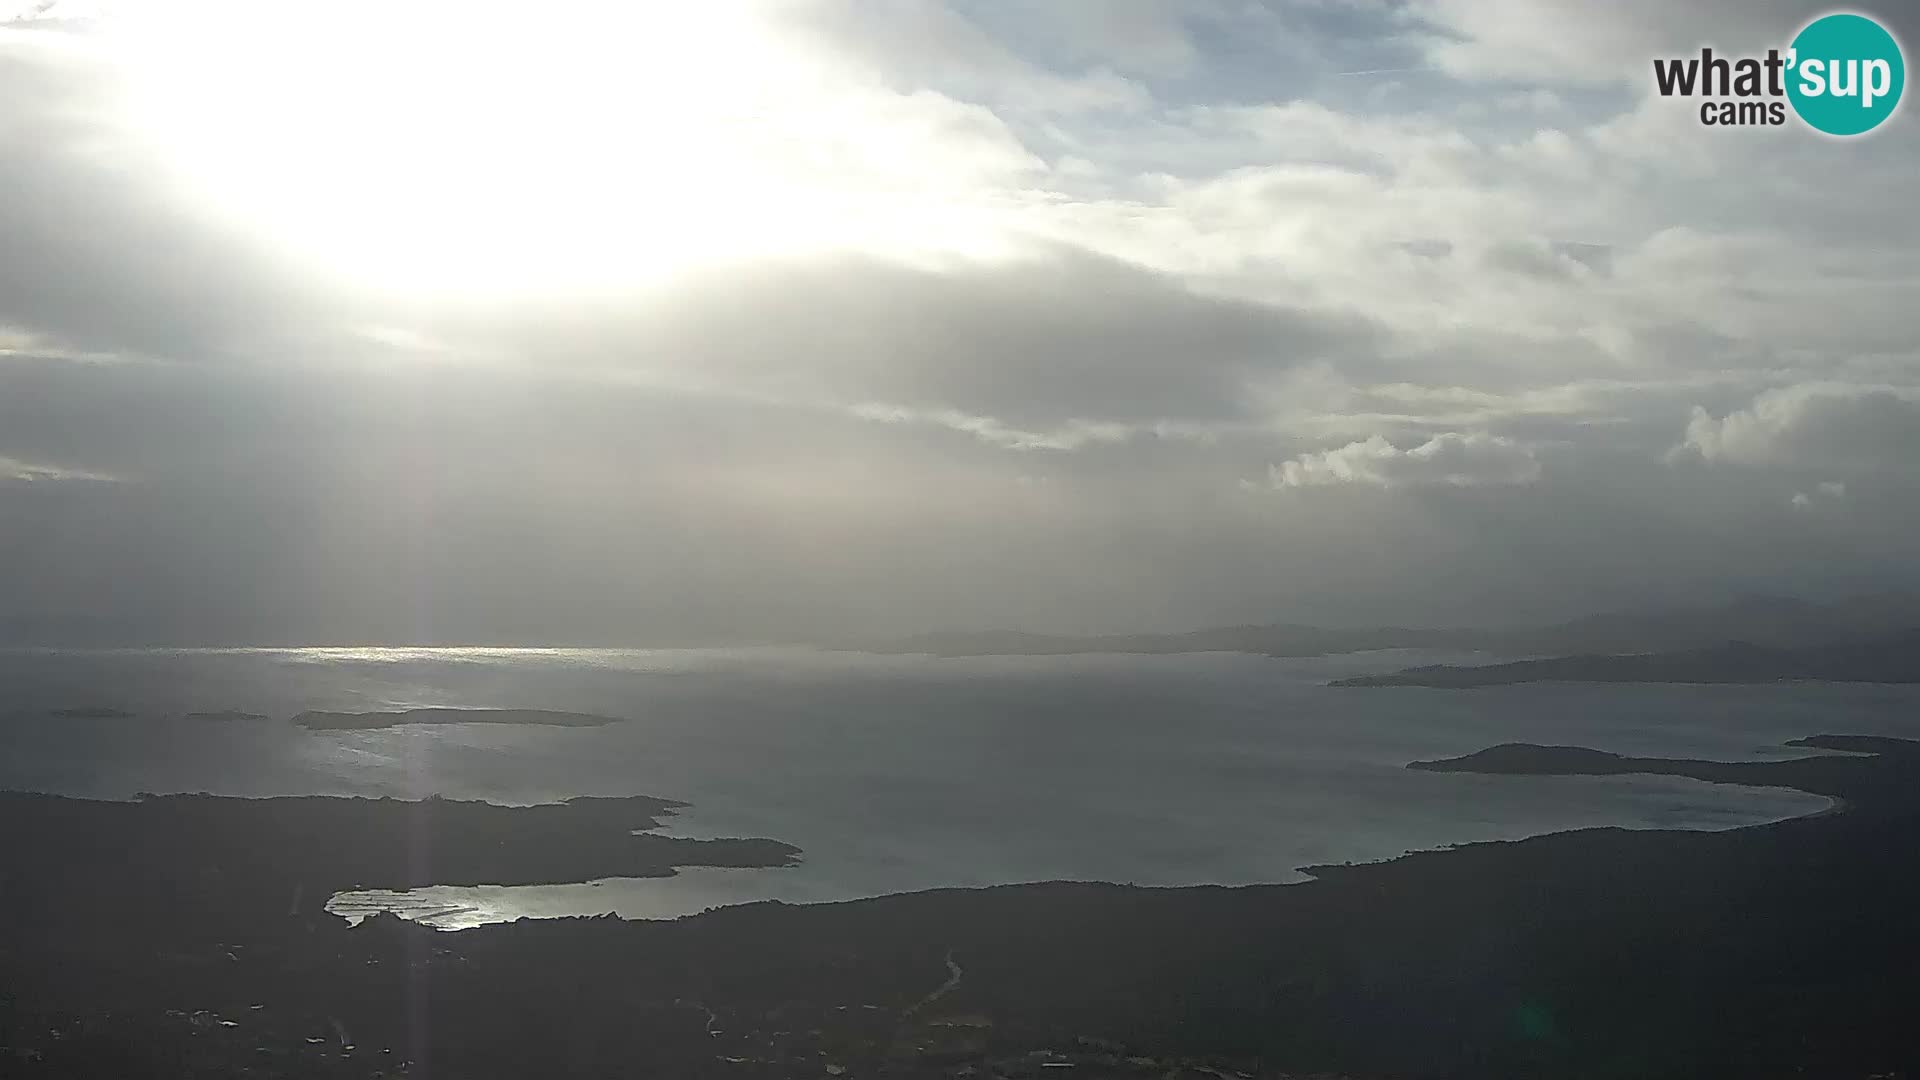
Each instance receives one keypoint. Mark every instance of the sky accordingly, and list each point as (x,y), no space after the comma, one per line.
(422,321)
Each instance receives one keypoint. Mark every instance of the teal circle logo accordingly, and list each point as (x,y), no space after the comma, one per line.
(1846,73)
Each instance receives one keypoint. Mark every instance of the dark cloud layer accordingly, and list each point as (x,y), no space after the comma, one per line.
(1057,336)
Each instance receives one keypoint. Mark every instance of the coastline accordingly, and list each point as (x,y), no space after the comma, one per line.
(1596,952)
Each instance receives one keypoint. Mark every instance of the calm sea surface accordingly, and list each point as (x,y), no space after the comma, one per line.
(896,773)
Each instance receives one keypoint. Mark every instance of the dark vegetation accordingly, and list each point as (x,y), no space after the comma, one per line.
(135,934)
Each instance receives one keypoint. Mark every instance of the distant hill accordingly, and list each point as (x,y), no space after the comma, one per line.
(1892,658)
(1272,640)
(1770,621)
(1766,621)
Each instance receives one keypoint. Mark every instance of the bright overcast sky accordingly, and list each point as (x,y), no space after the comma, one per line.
(454,321)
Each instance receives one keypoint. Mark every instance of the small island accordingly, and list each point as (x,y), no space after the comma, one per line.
(228,716)
(89,712)
(364,721)
(1856,767)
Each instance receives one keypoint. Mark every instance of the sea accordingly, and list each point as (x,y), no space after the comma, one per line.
(900,773)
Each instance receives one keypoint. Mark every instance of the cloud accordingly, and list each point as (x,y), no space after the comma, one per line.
(1824,491)
(101,253)
(1568,41)
(1057,337)
(1474,459)
(1813,426)
(1071,436)
(16,471)
(951,313)
(921,41)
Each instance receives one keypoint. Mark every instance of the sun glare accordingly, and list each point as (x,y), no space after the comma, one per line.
(456,147)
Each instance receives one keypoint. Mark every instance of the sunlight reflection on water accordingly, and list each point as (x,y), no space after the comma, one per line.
(894,773)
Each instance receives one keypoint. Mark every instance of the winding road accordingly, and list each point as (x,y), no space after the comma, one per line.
(954,974)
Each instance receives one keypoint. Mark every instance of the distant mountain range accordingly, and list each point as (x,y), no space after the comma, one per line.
(1891,658)
(1763,621)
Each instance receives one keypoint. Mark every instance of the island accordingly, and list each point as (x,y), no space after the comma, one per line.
(363,721)
(1832,775)
(1892,658)
(228,716)
(89,712)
